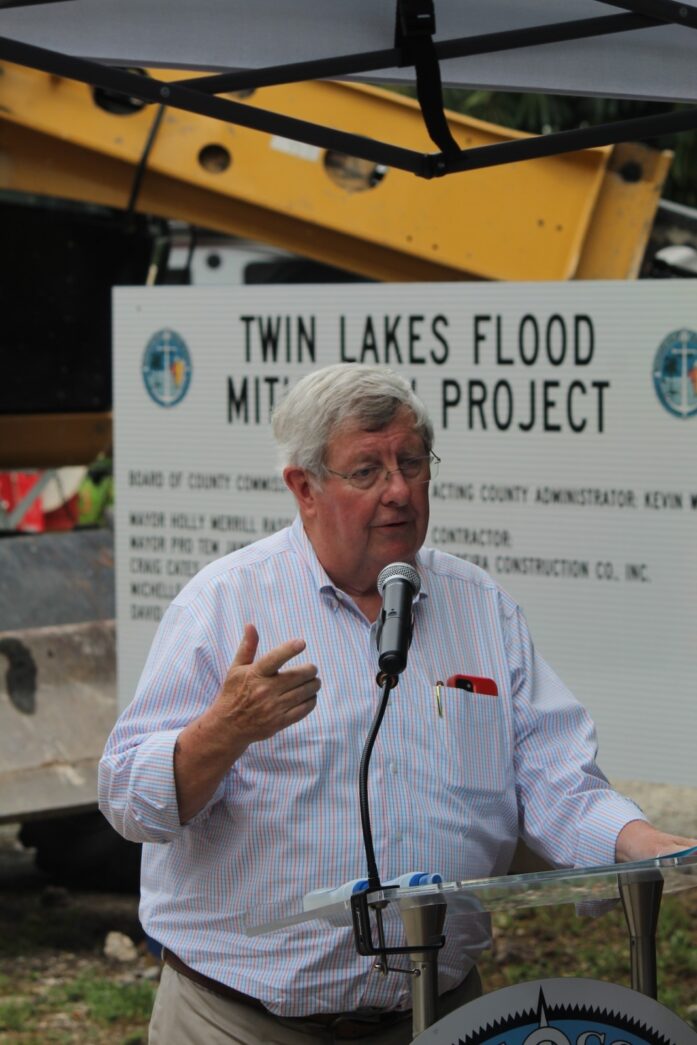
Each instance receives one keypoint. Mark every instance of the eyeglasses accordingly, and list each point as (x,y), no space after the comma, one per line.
(413,469)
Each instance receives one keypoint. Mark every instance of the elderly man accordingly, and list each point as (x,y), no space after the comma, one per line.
(241,777)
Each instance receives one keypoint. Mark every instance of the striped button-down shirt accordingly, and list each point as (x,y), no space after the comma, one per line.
(449,794)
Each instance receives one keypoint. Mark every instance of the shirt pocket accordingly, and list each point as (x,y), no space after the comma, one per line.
(476,753)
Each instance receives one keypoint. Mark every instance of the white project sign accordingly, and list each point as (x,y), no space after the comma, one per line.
(566,420)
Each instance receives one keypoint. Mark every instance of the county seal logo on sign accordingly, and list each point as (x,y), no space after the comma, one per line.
(675,373)
(166,368)
(561,1012)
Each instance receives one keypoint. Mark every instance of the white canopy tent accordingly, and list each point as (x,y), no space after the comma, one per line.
(644,49)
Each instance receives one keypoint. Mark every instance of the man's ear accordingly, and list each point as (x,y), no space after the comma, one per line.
(303,487)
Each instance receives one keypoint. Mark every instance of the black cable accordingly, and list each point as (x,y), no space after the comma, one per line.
(373,876)
(143,161)
(193,240)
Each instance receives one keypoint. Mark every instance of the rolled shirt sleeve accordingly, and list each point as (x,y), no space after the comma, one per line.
(137,791)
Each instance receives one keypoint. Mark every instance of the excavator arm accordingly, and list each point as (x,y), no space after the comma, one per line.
(581,215)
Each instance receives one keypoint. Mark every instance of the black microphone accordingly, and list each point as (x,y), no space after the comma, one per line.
(398,583)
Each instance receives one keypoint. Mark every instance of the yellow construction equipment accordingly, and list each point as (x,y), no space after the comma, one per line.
(581,215)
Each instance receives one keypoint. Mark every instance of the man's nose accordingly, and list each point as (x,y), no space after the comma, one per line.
(395,487)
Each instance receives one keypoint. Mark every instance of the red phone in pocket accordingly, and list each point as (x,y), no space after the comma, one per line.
(474,684)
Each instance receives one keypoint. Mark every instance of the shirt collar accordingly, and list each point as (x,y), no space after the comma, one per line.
(303,546)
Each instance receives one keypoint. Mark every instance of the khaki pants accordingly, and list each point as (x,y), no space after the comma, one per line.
(187,1014)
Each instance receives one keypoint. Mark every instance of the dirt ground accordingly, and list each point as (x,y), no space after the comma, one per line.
(56,983)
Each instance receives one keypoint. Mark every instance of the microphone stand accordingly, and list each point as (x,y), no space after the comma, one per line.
(423,925)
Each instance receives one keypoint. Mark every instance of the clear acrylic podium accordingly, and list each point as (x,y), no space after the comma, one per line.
(423,914)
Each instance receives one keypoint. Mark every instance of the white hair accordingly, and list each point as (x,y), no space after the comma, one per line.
(322,402)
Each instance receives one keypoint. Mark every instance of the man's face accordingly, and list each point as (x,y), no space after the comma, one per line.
(355,533)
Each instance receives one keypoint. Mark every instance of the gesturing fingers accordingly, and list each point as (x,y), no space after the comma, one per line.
(247,649)
(258,698)
(272,662)
(296,701)
(272,703)
(287,696)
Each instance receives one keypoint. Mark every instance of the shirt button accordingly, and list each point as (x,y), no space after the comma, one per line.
(393,767)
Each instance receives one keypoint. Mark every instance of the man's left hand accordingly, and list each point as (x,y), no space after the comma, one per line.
(639,840)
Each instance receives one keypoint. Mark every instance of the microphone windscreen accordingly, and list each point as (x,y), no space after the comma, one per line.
(399,569)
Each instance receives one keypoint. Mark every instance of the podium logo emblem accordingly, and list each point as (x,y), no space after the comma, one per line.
(675,373)
(564,1011)
(166,368)
(566,1025)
